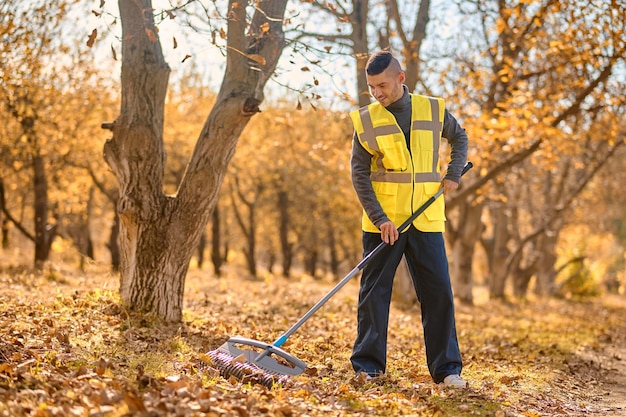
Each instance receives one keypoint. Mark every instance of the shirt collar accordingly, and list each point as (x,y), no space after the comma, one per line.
(402,102)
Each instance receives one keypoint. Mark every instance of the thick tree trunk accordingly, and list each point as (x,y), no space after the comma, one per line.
(150,278)
(158,233)
(153,271)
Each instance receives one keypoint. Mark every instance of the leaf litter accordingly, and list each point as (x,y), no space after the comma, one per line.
(69,348)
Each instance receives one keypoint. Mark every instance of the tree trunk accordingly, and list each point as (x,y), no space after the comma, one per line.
(463,246)
(80,232)
(546,272)
(43,233)
(271,260)
(216,255)
(499,254)
(248,226)
(412,43)
(5,233)
(201,248)
(311,262)
(3,216)
(403,291)
(113,245)
(521,281)
(360,47)
(250,249)
(159,233)
(333,250)
(286,246)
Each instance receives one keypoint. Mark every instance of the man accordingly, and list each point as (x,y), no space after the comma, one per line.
(395,169)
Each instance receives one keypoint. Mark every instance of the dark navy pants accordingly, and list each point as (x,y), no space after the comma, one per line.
(428,265)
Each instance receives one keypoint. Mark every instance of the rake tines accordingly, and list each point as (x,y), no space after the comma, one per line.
(245,371)
(257,362)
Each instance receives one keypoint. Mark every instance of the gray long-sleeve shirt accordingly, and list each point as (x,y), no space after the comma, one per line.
(360,160)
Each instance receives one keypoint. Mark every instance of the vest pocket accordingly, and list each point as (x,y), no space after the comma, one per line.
(392,148)
(437,210)
(387,195)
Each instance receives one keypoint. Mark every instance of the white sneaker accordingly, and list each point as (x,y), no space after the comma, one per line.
(454,381)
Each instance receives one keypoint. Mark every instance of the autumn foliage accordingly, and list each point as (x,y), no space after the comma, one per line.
(70,351)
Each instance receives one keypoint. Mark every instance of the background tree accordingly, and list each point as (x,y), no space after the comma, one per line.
(296,175)
(42,80)
(521,106)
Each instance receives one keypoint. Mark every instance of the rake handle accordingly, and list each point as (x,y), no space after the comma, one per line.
(283,338)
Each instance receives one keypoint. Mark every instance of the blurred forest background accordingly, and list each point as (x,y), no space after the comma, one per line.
(538,85)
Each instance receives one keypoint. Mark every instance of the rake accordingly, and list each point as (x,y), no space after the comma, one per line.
(253,361)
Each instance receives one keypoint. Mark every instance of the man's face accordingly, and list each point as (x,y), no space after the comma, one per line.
(386,87)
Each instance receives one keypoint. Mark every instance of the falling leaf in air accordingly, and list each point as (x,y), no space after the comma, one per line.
(92,38)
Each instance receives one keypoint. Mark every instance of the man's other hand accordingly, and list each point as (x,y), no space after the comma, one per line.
(449,185)
(388,233)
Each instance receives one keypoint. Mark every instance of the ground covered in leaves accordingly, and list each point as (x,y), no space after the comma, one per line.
(69,348)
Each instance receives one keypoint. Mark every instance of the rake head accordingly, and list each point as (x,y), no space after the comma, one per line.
(257,362)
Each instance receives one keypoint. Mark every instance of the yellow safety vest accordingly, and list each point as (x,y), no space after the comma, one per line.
(404,180)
